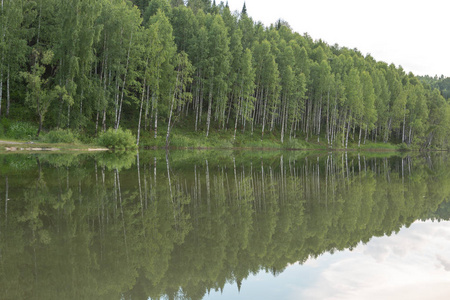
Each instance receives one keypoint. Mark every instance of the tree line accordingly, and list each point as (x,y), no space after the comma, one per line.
(442,83)
(99,64)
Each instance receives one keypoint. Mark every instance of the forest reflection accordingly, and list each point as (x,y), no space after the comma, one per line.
(153,225)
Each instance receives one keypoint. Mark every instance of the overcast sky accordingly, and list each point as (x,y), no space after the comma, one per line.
(411,33)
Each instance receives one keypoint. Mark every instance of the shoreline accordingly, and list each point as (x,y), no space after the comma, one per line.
(16,146)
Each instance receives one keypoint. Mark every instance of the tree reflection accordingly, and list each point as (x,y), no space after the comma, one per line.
(139,227)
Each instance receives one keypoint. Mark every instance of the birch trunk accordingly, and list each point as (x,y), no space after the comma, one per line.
(170,113)
(170,119)
(348,131)
(147,104)
(359,140)
(404,122)
(124,82)
(264,117)
(283,120)
(156,121)
(142,104)
(208,118)
(328,117)
(8,99)
(140,115)
(1,88)
(197,104)
(236,119)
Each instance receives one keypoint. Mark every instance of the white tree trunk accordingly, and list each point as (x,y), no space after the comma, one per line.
(124,81)
(1,89)
(208,118)
(171,112)
(140,115)
(8,99)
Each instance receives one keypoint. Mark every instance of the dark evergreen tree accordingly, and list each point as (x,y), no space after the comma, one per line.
(244,10)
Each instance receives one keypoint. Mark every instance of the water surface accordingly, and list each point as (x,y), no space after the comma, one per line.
(227,225)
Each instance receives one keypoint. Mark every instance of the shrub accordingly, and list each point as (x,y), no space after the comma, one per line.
(20,130)
(403,147)
(117,139)
(2,129)
(60,136)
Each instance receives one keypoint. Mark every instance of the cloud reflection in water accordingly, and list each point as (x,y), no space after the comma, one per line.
(413,264)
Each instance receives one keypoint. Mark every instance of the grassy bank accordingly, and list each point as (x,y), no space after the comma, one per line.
(185,138)
(181,138)
(21,135)
(22,145)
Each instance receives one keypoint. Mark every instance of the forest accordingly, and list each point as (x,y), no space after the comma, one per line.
(153,66)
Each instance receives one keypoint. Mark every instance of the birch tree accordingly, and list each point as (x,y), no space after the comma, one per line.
(217,69)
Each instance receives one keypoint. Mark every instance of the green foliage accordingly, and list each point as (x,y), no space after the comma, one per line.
(62,160)
(17,130)
(442,83)
(379,146)
(404,147)
(60,136)
(184,138)
(116,161)
(117,139)
(92,65)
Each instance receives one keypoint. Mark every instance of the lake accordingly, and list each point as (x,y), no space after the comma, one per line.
(224,225)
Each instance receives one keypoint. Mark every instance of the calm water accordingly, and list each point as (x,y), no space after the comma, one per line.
(224,225)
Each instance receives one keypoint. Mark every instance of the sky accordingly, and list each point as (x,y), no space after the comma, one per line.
(413,264)
(409,33)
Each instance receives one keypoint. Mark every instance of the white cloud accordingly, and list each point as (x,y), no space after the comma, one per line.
(445,262)
(411,265)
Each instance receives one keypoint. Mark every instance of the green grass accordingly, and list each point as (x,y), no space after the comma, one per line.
(377,146)
(184,138)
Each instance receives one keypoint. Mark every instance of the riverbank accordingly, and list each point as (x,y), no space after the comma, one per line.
(18,145)
(197,141)
(225,139)
(182,138)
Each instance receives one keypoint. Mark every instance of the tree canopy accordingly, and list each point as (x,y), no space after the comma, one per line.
(94,65)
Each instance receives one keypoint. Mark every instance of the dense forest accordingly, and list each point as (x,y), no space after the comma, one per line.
(441,83)
(88,66)
(105,226)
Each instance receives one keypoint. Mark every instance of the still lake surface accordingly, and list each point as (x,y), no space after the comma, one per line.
(224,225)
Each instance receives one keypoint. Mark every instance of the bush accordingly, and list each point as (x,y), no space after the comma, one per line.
(117,139)
(19,130)
(403,147)
(2,128)
(60,136)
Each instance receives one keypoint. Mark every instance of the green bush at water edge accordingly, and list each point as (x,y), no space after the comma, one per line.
(117,139)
